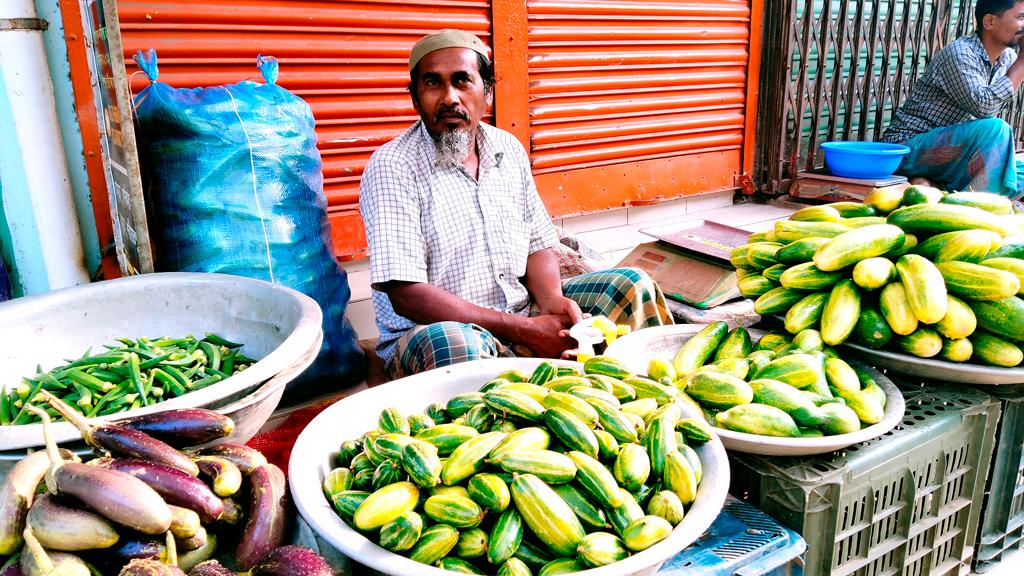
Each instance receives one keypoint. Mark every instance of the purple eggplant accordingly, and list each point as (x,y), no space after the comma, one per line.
(68,529)
(265,528)
(183,427)
(17,492)
(175,486)
(292,560)
(226,478)
(13,568)
(121,440)
(208,568)
(115,495)
(247,459)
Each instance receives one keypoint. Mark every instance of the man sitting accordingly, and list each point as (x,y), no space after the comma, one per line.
(462,259)
(949,121)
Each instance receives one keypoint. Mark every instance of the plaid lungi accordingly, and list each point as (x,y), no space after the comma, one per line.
(624,295)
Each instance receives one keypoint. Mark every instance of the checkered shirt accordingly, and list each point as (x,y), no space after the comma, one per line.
(960,84)
(442,227)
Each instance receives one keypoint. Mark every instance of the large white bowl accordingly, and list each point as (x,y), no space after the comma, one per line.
(638,348)
(279,326)
(318,443)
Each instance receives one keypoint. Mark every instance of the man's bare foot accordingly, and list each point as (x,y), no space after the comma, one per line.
(921,181)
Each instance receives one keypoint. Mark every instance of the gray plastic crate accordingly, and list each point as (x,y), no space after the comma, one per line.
(906,503)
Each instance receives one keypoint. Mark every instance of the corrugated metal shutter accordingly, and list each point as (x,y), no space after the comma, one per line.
(632,101)
(347,59)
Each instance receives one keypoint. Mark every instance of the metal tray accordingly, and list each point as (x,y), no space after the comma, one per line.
(941,370)
(637,348)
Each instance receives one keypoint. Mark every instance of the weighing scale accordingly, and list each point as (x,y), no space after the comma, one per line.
(690,261)
(820,184)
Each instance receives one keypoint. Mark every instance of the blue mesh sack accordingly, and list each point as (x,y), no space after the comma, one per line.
(234,186)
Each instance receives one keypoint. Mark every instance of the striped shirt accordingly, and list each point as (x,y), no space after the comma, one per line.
(960,84)
(469,237)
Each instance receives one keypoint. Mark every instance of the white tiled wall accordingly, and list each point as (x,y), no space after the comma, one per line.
(613,234)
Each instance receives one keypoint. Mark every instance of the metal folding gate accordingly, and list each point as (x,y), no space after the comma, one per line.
(836,70)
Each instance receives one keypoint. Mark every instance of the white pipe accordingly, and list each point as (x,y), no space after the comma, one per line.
(30,94)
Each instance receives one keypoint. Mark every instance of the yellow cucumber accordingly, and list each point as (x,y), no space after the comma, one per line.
(515,404)
(736,344)
(779,394)
(851,247)
(777,300)
(575,405)
(873,273)
(453,510)
(489,491)
(924,342)
(959,321)
(385,505)
(447,437)
(468,458)
(842,310)
(696,351)
(978,282)
(531,438)
(894,304)
(601,548)
(645,532)
(787,231)
(841,376)
(668,506)
(806,313)
(614,421)
(607,366)
(434,544)
(823,213)
(632,467)
(596,480)
(884,200)
(547,515)
(1014,266)
(926,290)
(959,350)
(759,419)
(719,390)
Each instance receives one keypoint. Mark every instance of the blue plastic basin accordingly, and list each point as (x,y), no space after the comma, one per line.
(863,160)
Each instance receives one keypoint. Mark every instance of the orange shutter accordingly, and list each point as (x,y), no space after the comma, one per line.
(348,60)
(636,101)
(620,101)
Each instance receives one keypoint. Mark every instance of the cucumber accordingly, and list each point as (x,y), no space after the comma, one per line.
(808,340)
(806,313)
(841,375)
(977,282)
(986,201)
(696,351)
(959,350)
(632,467)
(874,273)
(1014,266)
(572,432)
(967,245)
(824,213)
(926,291)
(385,505)
(755,285)
(808,276)
(547,515)
(800,251)
(802,371)
(836,418)
(938,218)
(872,330)
(601,548)
(865,406)
(738,256)
(434,544)
(841,312)
(719,390)
(1012,247)
(884,200)
(916,194)
(991,349)
(680,478)
(777,300)
(894,304)
(736,344)
(606,366)
(959,321)
(787,231)
(759,419)
(1004,318)
(851,247)
(853,209)
(645,532)
(454,510)
(862,221)
(923,342)
(780,395)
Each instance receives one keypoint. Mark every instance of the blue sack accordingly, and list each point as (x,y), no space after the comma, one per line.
(234,186)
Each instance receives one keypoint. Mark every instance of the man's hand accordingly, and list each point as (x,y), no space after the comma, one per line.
(561,306)
(547,336)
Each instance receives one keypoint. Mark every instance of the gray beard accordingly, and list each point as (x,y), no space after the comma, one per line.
(452,147)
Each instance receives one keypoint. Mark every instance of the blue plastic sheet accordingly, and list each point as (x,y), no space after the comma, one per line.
(233,180)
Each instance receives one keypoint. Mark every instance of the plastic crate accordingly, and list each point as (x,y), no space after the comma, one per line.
(1002,514)
(743,541)
(906,503)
